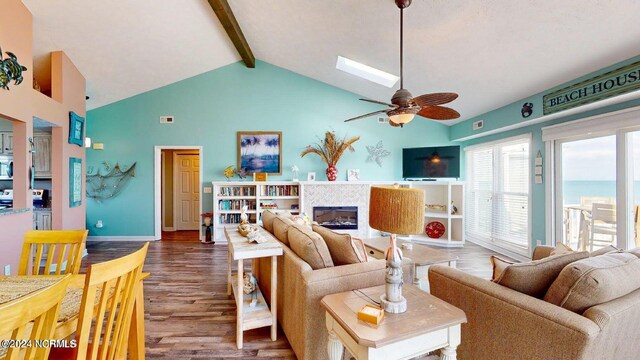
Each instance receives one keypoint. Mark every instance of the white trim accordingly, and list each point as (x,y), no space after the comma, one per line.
(121,238)
(593,106)
(594,126)
(527,136)
(549,186)
(499,250)
(157,188)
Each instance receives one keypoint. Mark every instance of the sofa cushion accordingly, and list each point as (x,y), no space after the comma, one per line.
(310,247)
(595,280)
(604,250)
(561,249)
(344,250)
(534,278)
(498,265)
(267,220)
(281,227)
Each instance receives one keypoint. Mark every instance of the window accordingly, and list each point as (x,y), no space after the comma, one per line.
(498,188)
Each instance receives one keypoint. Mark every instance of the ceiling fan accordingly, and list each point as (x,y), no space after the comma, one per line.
(404,107)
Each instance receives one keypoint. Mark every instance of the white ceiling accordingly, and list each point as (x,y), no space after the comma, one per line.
(124,48)
(491,52)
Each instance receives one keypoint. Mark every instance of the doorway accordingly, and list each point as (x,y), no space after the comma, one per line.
(178,183)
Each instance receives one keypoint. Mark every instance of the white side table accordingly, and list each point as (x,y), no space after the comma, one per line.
(428,324)
(260,315)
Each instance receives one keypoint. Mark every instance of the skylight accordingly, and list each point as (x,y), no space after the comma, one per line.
(366,72)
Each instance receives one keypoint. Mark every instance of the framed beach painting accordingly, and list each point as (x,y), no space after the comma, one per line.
(260,152)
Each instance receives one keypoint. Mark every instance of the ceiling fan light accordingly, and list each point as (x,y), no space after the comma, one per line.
(402,118)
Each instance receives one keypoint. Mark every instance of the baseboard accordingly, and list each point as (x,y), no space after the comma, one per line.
(500,250)
(121,238)
(169,229)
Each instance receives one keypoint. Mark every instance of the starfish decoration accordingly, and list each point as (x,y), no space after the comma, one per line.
(377,153)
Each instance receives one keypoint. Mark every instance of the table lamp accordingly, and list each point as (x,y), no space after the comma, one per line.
(395,210)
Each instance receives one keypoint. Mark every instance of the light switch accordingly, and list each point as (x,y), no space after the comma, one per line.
(208,190)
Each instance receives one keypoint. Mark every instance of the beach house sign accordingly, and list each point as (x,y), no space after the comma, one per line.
(615,82)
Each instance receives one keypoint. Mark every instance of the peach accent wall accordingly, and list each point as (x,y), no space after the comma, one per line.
(21,104)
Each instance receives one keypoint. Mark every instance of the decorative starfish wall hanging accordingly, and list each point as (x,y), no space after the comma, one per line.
(377,153)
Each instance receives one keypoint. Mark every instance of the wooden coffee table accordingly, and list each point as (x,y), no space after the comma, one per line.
(421,255)
(428,324)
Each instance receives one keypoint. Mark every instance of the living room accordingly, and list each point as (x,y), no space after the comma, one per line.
(514,153)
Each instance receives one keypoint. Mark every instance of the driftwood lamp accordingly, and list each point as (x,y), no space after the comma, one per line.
(395,210)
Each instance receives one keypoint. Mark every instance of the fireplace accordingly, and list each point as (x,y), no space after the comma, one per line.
(336,217)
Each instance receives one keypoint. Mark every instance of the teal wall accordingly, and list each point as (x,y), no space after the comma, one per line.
(510,115)
(210,108)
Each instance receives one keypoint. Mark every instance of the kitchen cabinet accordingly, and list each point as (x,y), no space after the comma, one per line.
(42,157)
(42,219)
(6,142)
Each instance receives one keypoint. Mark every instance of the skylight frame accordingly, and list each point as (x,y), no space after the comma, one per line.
(366,72)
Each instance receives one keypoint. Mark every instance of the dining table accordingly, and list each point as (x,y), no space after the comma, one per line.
(15,286)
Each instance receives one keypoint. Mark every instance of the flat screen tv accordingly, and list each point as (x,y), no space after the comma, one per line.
(431,162)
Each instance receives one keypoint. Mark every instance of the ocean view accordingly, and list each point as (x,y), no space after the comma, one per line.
(573,190)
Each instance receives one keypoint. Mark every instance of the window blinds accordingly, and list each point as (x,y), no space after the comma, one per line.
(498,192)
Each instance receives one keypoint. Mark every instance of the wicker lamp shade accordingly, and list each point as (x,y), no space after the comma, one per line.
(396,210)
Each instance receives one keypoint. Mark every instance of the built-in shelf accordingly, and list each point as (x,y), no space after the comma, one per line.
(438,194)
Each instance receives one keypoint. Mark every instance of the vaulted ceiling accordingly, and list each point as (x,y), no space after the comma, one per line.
(491,52)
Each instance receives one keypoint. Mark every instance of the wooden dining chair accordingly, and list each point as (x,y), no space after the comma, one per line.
(32,317)
(60,249)
(107,303)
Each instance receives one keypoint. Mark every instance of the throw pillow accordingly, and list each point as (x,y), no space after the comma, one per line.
(281,227)
(605,250)
(561,249)
(595,280)
(267,220)
(499,265)
(534,278)
(635,252)
(310,247)
(343,249)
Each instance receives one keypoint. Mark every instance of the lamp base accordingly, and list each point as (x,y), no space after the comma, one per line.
(393,307)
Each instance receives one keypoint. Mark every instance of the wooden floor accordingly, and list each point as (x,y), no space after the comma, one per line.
(188,314)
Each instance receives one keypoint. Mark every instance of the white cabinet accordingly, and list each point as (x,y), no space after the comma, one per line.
(42,219)
(6,140)
(229,198)
(42,157)
(440,199)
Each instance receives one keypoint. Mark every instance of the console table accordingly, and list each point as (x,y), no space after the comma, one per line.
(421,255)
(260,315)
(428,324)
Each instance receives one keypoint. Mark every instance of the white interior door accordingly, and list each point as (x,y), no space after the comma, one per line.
(186,192)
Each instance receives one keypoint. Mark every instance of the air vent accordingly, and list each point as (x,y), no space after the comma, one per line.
(478,124)
(383,120)
(166,119)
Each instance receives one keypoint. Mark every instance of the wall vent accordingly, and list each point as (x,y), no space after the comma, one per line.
(166,119)
(478,124)
(383,120)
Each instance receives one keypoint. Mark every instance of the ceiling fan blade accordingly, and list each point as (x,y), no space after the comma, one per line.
(379,102)
(366,115)
(439,113)
(434,99)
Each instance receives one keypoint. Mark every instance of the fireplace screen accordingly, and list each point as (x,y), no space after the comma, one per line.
(337,217)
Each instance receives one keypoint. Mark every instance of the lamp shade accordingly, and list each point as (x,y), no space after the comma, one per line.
(396,210)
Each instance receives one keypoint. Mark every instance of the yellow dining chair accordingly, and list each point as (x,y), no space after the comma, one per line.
(107,303)
(32,317)
(62,250)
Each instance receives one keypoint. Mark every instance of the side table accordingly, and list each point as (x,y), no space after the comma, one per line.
(259,315)
(428,324)
(421,255)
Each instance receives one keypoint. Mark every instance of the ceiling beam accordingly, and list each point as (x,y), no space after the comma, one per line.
(230,24)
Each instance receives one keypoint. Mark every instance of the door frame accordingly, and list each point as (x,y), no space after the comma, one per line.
(157,184)
(175,167)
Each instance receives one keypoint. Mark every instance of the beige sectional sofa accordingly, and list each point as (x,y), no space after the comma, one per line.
(566,323)
(300,289)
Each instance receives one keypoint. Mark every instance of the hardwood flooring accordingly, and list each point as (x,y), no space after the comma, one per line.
(188,314)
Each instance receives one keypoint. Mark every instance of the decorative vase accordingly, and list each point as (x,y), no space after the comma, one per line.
(332,173)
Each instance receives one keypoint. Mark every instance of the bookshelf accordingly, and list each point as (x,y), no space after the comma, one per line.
(230,196)
(443,193)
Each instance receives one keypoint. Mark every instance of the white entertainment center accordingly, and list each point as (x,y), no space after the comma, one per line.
(303,196)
